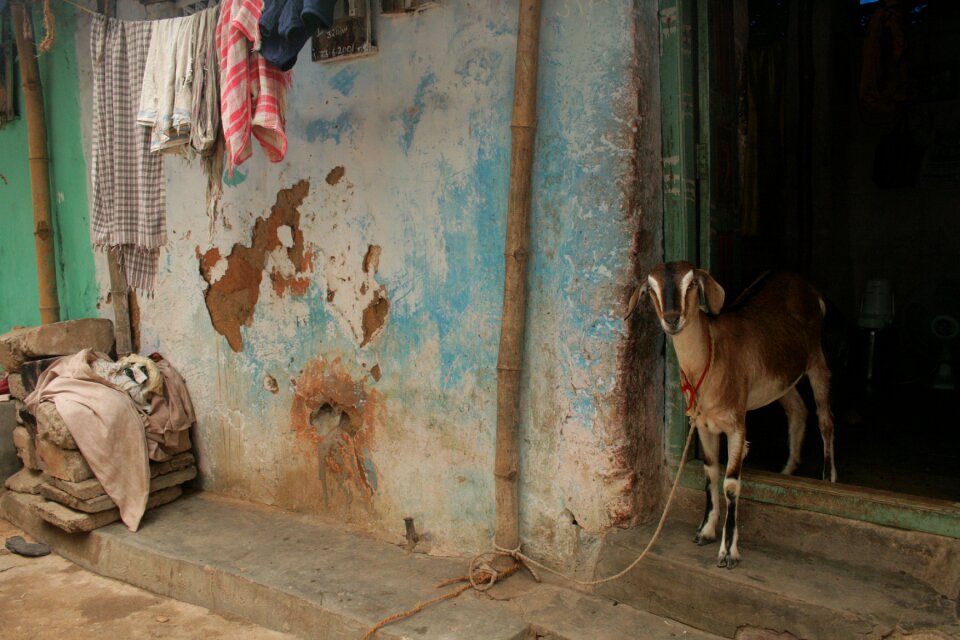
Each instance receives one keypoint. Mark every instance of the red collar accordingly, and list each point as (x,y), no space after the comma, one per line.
(687,388)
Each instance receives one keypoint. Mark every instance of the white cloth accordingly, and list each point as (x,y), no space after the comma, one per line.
(166,98)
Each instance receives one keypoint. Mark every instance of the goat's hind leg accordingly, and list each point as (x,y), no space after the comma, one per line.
(729,555)
(796,411)
(710,447)
(819,375)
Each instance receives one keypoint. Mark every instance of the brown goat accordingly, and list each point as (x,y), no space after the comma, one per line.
(750,355)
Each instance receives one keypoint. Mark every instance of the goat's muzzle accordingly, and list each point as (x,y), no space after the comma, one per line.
(672,322)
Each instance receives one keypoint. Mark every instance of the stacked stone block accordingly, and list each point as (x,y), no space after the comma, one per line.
(53,466)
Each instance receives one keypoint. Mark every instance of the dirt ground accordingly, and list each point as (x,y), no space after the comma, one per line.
(50,598)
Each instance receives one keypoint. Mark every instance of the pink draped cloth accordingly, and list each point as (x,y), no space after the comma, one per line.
(107,427)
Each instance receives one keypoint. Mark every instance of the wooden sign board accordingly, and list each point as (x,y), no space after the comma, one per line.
(351,35)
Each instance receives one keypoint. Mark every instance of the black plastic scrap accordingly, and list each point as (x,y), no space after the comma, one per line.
(21,547)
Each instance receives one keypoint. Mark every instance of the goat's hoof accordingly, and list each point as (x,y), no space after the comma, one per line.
(701,539)
(727,560)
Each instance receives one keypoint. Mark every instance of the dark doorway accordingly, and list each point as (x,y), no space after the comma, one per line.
(835,152)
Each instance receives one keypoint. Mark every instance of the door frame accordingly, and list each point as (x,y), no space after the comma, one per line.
(685,117)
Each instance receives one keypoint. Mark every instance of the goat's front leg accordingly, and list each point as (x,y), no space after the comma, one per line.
(710,447)
(729,555)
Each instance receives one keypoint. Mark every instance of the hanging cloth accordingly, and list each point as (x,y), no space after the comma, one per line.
(166,98)
(129,200)
(179,98)
(205,123)
(883,78)
(252,91)
(286,25)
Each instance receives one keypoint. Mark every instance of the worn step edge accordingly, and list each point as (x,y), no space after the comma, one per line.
(204,585)
(651,588)
(932,559)
(676,588)
(559,613)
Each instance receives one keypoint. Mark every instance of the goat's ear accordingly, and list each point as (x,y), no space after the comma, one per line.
(638,293)
(712,291)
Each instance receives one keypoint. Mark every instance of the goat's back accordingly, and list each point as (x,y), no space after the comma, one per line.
(778,320)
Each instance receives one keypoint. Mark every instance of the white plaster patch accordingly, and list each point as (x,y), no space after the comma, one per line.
(285,236)
(351,288)
(278,261)
(218,270)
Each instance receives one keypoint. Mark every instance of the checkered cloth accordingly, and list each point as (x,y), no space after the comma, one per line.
(129,200)
(252,91)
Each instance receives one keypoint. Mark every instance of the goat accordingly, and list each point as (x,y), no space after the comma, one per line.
(750,355)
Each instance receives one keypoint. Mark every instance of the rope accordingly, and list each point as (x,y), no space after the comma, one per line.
(83,8)
(493,576)
(520,557)
(685,386)
(481,583)
(49,26)
(482,576)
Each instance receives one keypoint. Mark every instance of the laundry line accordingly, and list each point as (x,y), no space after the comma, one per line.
(92,12)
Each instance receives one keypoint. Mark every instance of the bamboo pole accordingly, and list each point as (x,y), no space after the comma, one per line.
(120,295)
(39,163)
(510,360)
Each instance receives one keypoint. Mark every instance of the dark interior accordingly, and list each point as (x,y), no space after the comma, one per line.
(835,152)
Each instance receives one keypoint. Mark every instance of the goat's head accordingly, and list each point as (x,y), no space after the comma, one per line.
(676,290)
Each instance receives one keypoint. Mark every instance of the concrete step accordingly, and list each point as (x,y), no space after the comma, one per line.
(777,587)
(931,559)
(300,575)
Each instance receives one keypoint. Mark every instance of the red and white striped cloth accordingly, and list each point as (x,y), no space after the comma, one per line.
(252,91)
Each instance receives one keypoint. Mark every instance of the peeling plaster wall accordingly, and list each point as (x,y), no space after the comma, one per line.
(362,384)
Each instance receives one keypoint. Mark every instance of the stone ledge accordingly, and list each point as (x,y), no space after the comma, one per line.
(55,339)
(72,521)
(51,427)
(25,481)
(62,463)
(304,576)
(91,488)
(103,502)
(26,448)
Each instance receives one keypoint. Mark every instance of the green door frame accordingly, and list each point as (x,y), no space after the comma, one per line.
(685,115)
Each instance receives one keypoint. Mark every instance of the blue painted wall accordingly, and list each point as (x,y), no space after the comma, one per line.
(329,408)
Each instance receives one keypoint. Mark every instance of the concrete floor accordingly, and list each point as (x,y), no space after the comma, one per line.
(301,575)
(50,598)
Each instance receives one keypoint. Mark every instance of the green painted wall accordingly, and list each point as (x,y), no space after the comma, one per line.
(19,299)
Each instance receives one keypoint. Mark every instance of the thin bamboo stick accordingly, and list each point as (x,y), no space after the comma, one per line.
(513,321)
(39,163)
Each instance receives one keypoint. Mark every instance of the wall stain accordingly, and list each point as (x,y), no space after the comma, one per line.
(334,418)
(335,175)
(231,300)
(344,80)
(323,130)
(234,179)
(410,117)
(374,317)
(375,314)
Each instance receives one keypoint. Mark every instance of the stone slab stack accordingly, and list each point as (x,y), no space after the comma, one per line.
(55,339)
(24,354)
(53,466)
(9,461)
